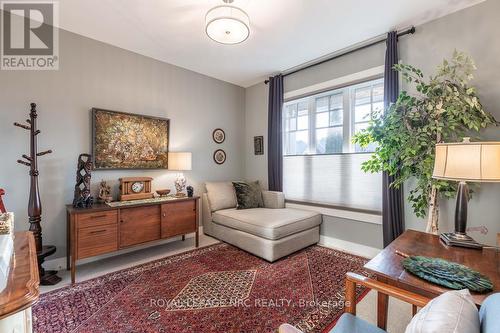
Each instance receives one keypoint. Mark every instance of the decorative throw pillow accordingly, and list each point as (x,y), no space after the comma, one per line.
(452,312)
(248,195)
(220,195)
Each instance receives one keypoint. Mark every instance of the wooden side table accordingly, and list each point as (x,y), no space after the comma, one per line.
(22,290)
(387,267)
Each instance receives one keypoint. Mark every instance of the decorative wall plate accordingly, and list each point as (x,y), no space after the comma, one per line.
(220,156)
(219,135)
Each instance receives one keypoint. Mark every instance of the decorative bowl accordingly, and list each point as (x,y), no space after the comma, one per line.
(162,193)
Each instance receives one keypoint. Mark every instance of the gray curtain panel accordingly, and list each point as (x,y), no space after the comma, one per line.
(275,140)
(392,198)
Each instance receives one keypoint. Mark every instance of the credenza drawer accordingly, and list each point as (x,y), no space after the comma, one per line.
(93,241)
(98,218)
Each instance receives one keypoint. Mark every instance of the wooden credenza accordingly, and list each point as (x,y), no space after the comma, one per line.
(104,229)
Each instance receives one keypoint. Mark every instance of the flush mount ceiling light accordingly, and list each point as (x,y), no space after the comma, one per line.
(227,24)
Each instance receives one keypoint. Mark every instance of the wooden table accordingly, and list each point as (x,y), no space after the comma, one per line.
(387,267)
(22,285)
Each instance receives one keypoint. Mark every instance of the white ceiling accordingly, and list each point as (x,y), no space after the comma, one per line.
(284,33)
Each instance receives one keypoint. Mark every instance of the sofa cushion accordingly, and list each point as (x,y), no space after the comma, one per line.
(248,195)
(268,223)
(221,195)
(451,312)
(489,314)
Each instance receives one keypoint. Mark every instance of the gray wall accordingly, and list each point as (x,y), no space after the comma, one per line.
(353,63)
(256,124)
(475,30)
(96,74)
(366,233)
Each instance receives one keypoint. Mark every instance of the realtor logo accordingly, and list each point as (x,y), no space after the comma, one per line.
(30,40)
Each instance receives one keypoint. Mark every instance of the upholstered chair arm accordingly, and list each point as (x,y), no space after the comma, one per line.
(273,199)
(353,279)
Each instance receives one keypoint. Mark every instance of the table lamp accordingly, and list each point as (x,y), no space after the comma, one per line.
(466,162)
(179,161)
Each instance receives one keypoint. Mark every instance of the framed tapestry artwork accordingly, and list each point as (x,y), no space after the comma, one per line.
(129,141)
(258,145)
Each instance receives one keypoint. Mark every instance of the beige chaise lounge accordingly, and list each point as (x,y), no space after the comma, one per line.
(271,232)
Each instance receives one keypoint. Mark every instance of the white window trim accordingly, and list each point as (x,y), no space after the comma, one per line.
(341,213)
(336,83)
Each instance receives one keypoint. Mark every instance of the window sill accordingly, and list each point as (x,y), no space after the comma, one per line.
(341,213)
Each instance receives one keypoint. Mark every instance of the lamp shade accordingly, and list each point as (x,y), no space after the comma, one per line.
(468,161)
(179,161)
(227,24)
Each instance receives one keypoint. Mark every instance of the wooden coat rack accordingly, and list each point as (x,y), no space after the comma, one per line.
(35,204)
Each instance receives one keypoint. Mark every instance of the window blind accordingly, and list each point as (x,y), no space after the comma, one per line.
(334,180)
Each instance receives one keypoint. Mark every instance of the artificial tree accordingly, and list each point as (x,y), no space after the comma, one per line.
(444,109)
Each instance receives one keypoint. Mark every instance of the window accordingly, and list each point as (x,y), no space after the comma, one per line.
(329,113)
(297,128)
(325,123)
(321,164)
(367,99)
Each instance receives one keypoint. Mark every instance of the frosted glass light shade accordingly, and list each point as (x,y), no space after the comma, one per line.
(468,161)
(227,24)
(179,161)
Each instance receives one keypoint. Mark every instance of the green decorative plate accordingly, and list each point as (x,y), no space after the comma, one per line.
(447,274)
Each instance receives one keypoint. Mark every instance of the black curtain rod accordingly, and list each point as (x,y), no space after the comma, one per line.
(402,33)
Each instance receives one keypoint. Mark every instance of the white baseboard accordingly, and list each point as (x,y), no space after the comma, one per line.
(350,247)
(60,263)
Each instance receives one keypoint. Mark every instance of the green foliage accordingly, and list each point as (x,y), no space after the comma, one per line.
(445,109)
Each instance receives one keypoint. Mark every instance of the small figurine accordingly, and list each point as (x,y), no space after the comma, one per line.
(104,192)
(190,191)
(84,201)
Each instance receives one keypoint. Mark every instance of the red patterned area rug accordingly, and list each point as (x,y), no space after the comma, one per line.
(213,289)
